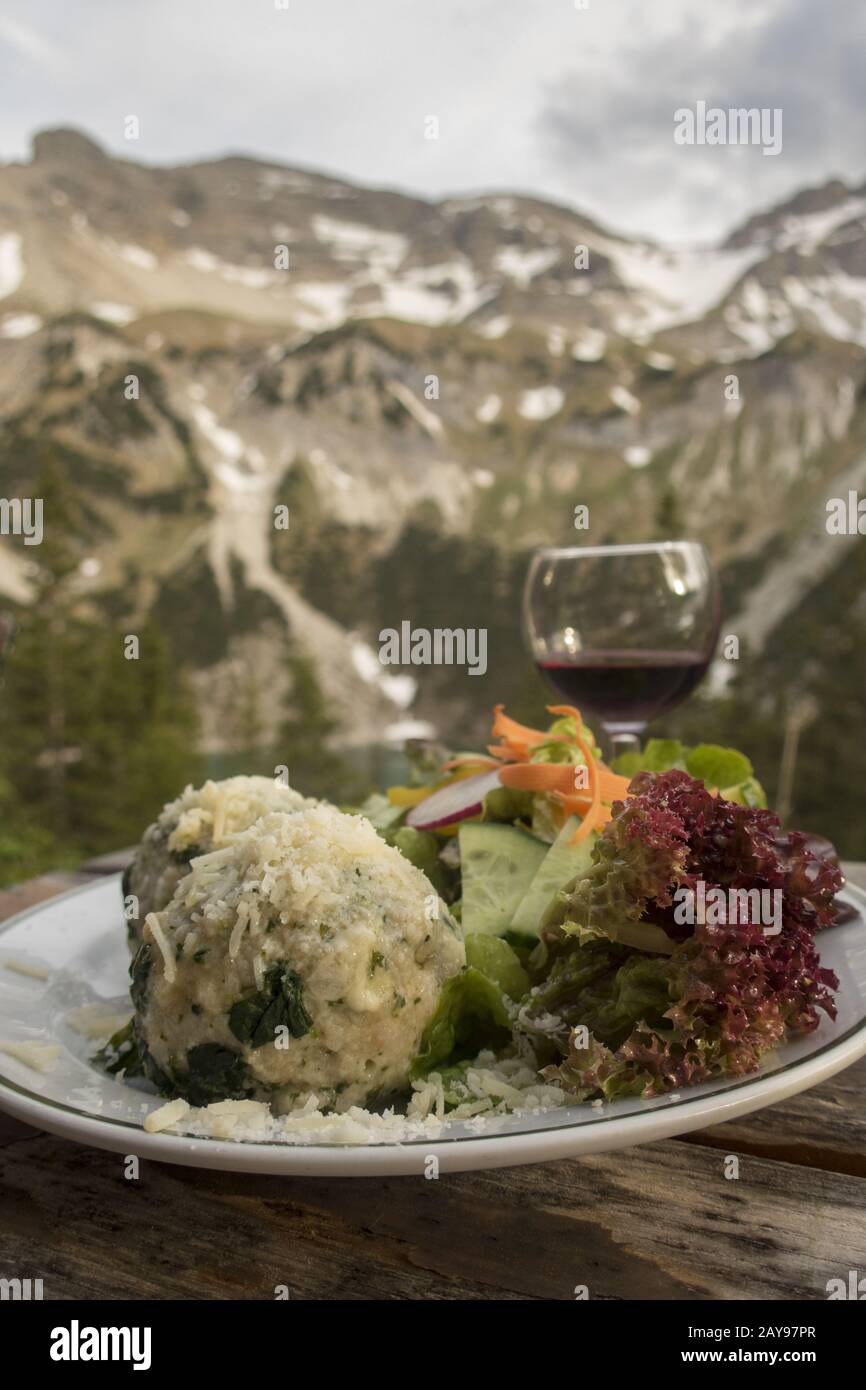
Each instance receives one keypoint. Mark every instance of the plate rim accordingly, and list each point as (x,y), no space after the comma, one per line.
(462,1153)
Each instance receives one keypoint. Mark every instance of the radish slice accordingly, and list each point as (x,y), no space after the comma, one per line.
(454,802)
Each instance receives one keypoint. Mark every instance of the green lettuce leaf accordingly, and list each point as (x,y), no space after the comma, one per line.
(606,988)
(715,766)
(718,767)
(379,811)
(472,1014)
(506,804)
(498,961)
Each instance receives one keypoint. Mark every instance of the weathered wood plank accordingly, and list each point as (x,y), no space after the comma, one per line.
(661,1222)
(38,890)
(821,1128)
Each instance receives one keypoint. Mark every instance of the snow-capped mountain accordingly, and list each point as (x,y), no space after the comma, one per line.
(203,343)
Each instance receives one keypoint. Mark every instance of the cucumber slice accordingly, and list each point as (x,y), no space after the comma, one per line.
(562,863)
(497,864)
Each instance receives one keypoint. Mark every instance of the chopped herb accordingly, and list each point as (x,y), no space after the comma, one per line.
(139,973)
(399,1003)
(199,955)
(183,856)
(377,962)
(213,1073)
(279,1003)
(121,1053)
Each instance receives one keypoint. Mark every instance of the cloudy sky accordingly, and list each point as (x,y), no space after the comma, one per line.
(544,96)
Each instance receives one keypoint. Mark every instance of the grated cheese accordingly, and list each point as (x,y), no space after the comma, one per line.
(36,1055)
(493,1089)
(96,1020)
(242,921)
(153,926)
(165,1116)
(24,967)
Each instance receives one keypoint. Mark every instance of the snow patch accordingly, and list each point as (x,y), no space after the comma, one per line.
(637,456)
(806,232)
(674,286)
(590,346)
(495,327)
(660,361)
(138,256)
(523,266)
(232,450)
(625,400)
(426,418)
(326,302)
(489,409)
(541,403)
(112,313)
(400,689)
(253,277)
(11,263)
(20,325)
(352,241)
(432,294)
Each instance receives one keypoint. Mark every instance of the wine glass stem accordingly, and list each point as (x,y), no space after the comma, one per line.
(623,740)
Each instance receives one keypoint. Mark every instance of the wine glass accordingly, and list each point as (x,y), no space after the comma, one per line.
(625,632)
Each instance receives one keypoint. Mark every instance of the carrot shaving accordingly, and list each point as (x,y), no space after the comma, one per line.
(511,755)
(567,712)
(539,777)
(561,778)
(512,732)
(594,814)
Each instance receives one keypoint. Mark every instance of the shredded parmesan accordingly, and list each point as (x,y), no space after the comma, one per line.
(39,1056)
(241,923)
(153,927)
(490,1090)
(24,967)
(96,1020)
(165,1116)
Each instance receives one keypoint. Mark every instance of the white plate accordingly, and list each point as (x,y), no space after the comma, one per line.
(81,936)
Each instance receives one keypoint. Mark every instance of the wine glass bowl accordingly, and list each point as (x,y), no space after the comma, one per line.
(626,632)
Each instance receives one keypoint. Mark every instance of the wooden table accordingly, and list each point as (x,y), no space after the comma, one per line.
(659,1222)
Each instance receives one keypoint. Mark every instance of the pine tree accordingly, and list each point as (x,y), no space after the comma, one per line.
(305,738)
(91,744)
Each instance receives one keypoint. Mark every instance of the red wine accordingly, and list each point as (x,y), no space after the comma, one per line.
(625,687)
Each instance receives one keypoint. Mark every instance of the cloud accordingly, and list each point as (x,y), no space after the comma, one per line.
(611,126)
(28,43)
(532,95)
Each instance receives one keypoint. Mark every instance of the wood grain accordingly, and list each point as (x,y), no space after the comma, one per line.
(662,1222)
